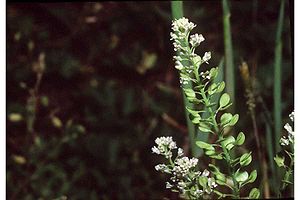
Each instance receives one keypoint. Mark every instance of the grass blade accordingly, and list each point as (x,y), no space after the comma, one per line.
(229,65)
(277,78)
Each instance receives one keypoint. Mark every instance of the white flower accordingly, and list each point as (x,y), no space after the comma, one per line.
(162,168)
(292,116)
(166,141)
(178,65)
(184,165)
(284,141)
(205,173)
(198,192)
(182,25)
(168,185)
(164,146)
(155,150)
(211,183)
(181,185)
(196,39)
(206,57)
(289,129)
(184,81)
(180,152)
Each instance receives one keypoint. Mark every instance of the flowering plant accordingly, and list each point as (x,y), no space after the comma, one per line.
(287,144)
(185,179)
(200,93)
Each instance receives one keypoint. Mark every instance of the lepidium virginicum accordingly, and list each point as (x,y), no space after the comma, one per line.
(192,184)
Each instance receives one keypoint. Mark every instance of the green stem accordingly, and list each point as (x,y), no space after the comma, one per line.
(177,12)
(229,65)
(277,77)
(226,153)
(217,130)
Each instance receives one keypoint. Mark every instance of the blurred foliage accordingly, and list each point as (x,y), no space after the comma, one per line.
(82,125)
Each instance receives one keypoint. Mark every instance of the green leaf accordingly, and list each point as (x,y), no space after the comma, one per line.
(194,100)
(218,157)
(254,194)
(245,159)
(220,177)
(241,176)
(210,152)
(224,100)
(204,127)
(221,87)
(252,178)
(226,118)
(196,120)
(203,181)
(228,142)
(279,161)
(193,112)
(214,169)
(204,145)
(189,92)
(196,60)
(240,139)
(213,73)
(212,88)
(234,120)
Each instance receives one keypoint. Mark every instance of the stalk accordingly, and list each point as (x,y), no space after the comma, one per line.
(226,153)
(229,65)
(177,12)
(277,77)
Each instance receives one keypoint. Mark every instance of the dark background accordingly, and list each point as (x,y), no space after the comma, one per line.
(109,88)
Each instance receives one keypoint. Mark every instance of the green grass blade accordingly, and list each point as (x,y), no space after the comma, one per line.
(229,65)
(177,9)
(177,12)
(277,78)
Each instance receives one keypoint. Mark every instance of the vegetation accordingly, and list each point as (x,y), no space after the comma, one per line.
(90,86)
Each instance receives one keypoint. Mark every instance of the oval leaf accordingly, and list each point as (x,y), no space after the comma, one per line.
(189,92)
(241,177)
(252,176)
(193,112)
(204,127)
(279,161)
(240,139)
(228,142)
(218,157)
(234,120)
(212,89)
(226,118)
(254,194)
(221,87)
(204,145)
(213,73)
(224,100)
(203,181)
(245,159)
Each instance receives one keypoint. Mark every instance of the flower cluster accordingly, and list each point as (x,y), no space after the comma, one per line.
(165,145)
(196,39)
(183,170)
(183,165)
(284,141)
(187,60)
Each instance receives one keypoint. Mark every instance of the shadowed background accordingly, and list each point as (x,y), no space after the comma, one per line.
(91,85)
